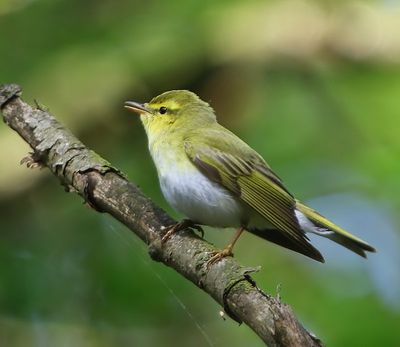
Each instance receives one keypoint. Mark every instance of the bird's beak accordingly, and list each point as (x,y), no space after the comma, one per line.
(136,107)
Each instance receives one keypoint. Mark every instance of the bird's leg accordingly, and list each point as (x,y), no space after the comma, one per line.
(227,251)
(184,224)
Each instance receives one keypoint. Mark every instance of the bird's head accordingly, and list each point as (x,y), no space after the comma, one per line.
(172,111)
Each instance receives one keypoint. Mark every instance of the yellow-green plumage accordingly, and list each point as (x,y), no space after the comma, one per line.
(214,178)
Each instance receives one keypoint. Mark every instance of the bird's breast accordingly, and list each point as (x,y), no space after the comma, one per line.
(190,192)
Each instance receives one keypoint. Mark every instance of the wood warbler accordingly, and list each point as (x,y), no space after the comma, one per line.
(214,178)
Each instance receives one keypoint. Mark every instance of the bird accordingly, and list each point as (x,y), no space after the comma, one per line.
(215,179)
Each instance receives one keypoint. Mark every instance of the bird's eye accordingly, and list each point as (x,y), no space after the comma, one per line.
(163,110)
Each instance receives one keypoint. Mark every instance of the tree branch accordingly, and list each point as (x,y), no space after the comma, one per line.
(106,189)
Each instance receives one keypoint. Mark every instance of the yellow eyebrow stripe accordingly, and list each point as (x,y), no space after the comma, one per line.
(171,105)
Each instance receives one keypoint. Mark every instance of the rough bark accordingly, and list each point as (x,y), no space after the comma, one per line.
(106,189)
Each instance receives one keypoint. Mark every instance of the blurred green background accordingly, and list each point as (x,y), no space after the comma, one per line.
(314,86)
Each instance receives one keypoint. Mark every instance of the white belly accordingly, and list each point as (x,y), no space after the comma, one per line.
(200,199)
(188,191)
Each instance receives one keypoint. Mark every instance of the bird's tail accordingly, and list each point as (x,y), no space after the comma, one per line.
(312,221)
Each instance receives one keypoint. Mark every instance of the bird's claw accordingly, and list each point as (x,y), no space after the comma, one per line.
(218,255)
(186,223)
(172,230)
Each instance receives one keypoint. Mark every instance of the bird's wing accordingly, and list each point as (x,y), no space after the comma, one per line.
(243,172)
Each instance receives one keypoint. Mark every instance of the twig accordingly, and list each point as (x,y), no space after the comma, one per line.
(106,189)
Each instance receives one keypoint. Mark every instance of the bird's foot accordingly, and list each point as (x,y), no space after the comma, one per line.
(217,256)
(184,224)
